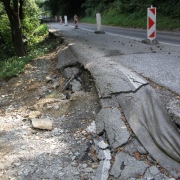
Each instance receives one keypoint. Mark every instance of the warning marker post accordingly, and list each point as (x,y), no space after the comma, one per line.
(98,20)
(65,21)
(60,19)
(151,26)
(76,21)
(151,23)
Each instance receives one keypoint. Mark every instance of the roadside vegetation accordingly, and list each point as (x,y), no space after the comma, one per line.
(35,40)
(40,45)
(133,13)
(133,21)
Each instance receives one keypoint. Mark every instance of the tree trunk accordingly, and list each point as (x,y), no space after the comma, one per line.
(13,15)
(21,9)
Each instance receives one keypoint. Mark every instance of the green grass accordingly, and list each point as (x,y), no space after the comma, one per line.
(12,66)
(135,21)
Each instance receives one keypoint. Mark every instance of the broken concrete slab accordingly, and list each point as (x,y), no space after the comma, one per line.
(111,78)
(109,120)
(65,58)
(150,66)
(126,167)
(104,154)
(150,122)
(102,172)
(134,146)
(154,173)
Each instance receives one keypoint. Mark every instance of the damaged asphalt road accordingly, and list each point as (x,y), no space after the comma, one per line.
(128,99)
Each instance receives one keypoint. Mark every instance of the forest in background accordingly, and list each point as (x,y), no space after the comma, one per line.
(125,13)
(111,7)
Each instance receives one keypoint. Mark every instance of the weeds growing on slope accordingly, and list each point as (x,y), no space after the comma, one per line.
(39,45)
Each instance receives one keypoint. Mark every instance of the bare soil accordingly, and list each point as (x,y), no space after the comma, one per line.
(40,89)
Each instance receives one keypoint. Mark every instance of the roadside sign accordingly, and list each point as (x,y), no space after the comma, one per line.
(151,23)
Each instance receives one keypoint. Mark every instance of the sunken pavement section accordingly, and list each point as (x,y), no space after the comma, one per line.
(131,123)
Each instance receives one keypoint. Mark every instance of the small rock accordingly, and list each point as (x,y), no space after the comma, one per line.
(49,107)
(76,85)
(76,173)
(88,170)
(42,124)
(34,114)
(77,154)
(74,164)
(73,158)
(17,164)
(69,72)
(102,145)
(56,107)
(48,79)
(61,174)
(104,154)
(91,128)
(55,85)
(95,166)
(84,166)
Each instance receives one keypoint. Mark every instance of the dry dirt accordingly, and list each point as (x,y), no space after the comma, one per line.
(40,88)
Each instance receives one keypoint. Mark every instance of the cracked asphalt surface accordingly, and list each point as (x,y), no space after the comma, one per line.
(101,55)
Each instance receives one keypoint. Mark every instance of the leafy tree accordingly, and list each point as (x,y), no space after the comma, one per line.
(12,10)
(18,31)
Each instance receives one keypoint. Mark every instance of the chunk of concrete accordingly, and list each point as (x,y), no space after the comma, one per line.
(153,172)
(91,128)
(109,120)
(126,167)
(133,146)
(102,145)
(70,72)
(42,124)
(102,172)
(111,78)
(65,58)
(104,154)
(76,85)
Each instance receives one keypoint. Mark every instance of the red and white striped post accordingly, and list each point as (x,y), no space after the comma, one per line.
(76,21)
(151,23)
(60,19)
